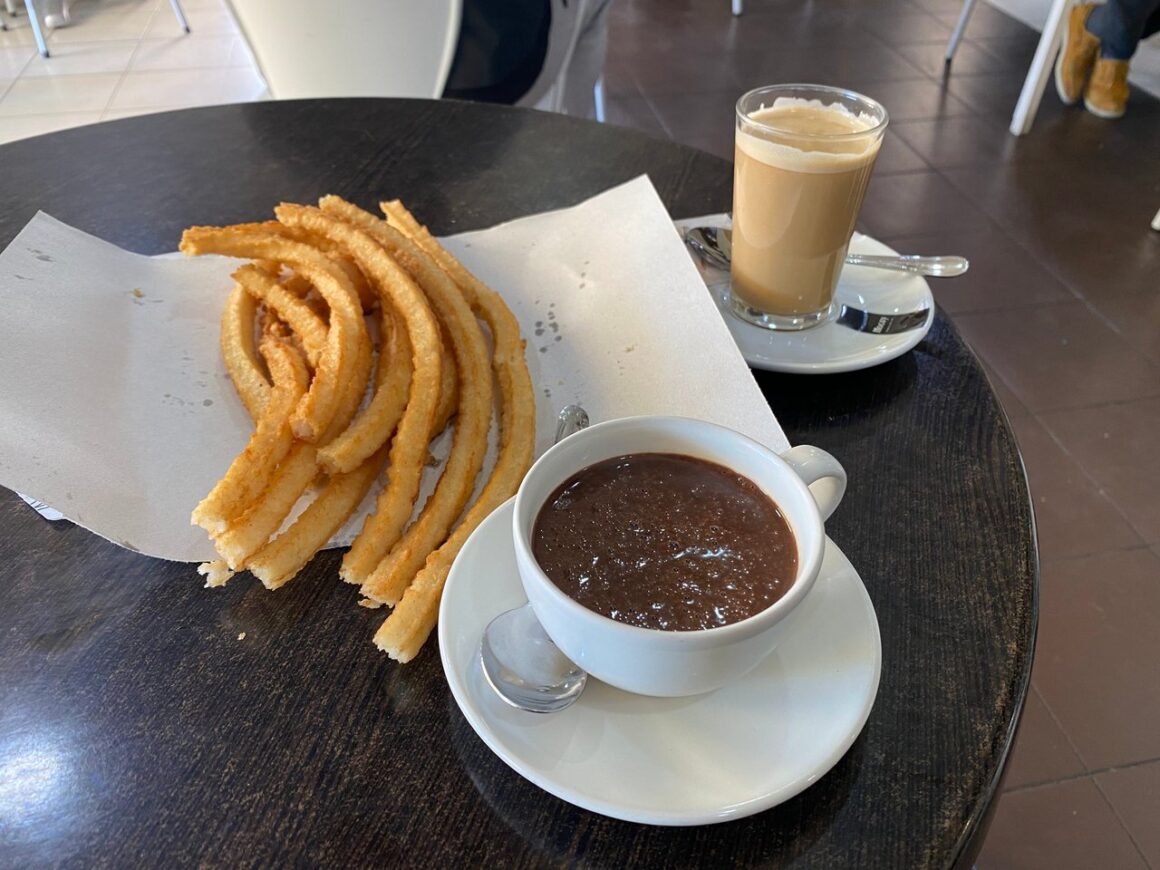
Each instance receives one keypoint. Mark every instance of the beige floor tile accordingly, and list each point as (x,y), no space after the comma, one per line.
(189,51)
(13,59)
(203,21)
(243,86)
(168,88)
(101,25)
(82,58)
(57,94)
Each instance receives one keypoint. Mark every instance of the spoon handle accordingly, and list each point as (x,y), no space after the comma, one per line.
(934,267)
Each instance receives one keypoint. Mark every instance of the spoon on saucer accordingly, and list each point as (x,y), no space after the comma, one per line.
(714,246)
(519,660)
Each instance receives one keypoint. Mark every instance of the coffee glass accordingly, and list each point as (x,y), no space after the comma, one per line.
(803,158)
(657,662)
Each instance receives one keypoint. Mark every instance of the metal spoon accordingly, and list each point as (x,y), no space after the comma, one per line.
(519,660)
(714,246)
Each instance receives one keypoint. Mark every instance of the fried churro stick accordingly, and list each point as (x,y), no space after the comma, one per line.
(409,448)
(347,342)
(392,576)
(311,328)
(403,633)
(243,364)
(250,471)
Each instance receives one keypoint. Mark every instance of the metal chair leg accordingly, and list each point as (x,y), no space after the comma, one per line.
(1156,221)
(176,4)
(34,20)
(737,10)
(960,27)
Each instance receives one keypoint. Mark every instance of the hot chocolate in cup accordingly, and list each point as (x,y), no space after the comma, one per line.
(667,662)
(803,158)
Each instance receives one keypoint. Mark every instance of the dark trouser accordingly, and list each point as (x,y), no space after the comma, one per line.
(1121,24)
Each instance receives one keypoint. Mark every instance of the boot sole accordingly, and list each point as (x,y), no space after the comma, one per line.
(1102,113)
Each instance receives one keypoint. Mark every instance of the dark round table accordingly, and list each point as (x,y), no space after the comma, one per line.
(136,730)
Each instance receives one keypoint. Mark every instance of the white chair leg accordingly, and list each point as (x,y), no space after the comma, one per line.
(1156,221)
(960,27)
(176,4)
(598,98)
(1041,69)
(737,4)
(34,20)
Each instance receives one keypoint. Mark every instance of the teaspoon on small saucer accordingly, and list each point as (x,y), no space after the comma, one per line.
(714,246)
(519,660)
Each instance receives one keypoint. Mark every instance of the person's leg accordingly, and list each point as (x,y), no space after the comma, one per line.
(1120,24)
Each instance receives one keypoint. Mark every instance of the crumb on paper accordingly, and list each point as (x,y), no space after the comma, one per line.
(137,292)
(369,604)
(242,636)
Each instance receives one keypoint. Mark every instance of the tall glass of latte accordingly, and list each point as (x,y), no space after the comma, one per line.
(804,154)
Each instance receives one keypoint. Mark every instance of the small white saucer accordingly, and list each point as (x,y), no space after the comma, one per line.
(673,761)
(832,347)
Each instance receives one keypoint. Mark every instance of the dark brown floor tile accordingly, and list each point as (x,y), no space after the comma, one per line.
(1134,793)
(896,156)
(1099,639)
(1041,753)
(988,22)
(996,94)
(1117,446)
(913,204)
(634,112)
(908,28)
(1003,274)
(948,143)
(816,60)
(1136,316)
(930,57)
(1066,826)
(1072,516)
(1060,356)
(619,80)
(1090,229)
(940,7)
(916,99)
(683,73)
(699,118)
(1012,53)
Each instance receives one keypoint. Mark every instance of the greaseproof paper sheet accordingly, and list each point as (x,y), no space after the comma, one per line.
(116,409)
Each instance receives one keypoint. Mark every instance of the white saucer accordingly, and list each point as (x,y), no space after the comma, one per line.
(832,347)
(673,761)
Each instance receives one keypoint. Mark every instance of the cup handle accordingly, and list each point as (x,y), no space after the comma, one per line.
(822,473)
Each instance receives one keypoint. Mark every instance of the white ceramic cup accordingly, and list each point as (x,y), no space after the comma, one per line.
(676,663)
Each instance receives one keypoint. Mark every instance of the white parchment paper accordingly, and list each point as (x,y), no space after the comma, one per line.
(115,407)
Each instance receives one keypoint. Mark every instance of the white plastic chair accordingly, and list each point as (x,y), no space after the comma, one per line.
(357,48)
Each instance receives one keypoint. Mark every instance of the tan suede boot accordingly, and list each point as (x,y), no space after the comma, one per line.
(1076,55)
(1107,89)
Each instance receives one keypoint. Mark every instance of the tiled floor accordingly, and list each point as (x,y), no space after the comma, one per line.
(121,58)
(1062,303)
